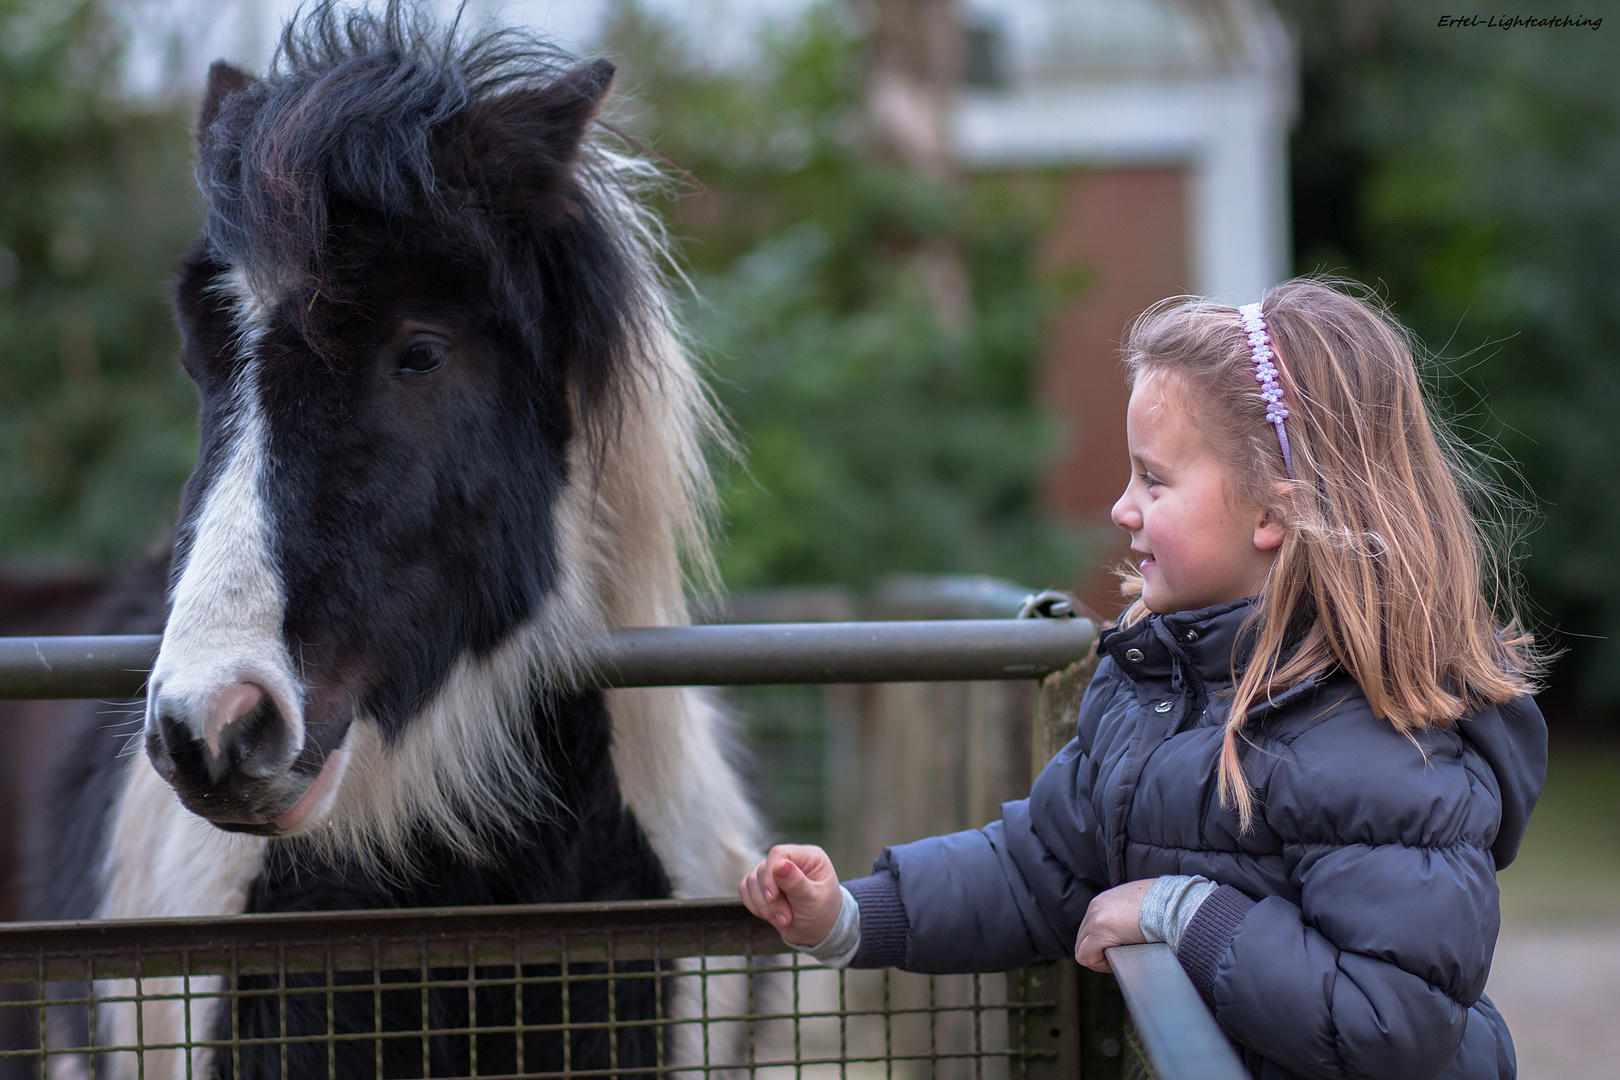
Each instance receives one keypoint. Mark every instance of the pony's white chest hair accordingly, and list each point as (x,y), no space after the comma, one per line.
(164,861)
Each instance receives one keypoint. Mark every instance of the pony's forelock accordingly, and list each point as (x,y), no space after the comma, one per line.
(349,111)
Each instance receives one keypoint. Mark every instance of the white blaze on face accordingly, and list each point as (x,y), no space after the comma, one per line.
(225,616)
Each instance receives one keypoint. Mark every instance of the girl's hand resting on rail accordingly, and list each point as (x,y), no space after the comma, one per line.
(1113,918)
(795,889)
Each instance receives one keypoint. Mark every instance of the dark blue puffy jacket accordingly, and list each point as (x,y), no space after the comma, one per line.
(1353,931)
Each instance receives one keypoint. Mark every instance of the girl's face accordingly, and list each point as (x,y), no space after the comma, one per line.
(1198,545)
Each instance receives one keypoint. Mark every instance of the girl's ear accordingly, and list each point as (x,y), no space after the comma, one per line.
(1269,531)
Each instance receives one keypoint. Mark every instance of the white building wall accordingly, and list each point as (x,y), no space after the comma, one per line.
(1225,118)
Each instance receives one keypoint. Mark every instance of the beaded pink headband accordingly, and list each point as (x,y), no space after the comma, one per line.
(1265,373)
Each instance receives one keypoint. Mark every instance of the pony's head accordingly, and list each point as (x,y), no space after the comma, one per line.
(448,430)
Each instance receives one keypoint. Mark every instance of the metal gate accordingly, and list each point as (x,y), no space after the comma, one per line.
(638,988)
(643,989)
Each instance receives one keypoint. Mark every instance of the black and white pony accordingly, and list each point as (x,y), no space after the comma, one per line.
(449,435)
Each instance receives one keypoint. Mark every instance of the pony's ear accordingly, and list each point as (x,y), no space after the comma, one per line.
(223,81)
(522,145)
(574,99)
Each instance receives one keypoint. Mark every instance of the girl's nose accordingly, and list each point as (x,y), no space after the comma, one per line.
(1125,513)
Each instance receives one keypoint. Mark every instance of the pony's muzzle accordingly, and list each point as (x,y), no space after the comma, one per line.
(227,756)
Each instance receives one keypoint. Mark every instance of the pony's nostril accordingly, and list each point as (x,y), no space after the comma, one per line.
(158,753)
(232,704)
(180,750)
(260,744)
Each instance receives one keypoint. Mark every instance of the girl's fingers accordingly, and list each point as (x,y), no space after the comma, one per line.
(1093,958)
(762,904)
(809,860)
(781,866)
(1113,917)
(762,876)
(791,881)
(1090,948)
(1094,939)
(813,899)
(770,878)
(763,900)
(752,897)
(768,884)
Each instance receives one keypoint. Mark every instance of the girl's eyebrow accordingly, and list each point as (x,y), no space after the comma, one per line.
(1147,463)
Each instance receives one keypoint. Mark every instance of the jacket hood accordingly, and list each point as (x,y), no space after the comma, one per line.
(1512,738)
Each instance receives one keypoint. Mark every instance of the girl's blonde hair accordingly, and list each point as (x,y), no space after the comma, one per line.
(1384,571)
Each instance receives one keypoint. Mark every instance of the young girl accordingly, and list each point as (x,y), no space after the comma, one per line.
(1308,746)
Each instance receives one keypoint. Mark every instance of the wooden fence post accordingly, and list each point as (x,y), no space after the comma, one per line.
(1057,707)
(1089,1028)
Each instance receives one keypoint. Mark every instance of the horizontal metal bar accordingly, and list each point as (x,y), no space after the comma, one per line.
(1181,1037)
(75,667)
(930,651)
(354,940)
(716,655)
(201,932)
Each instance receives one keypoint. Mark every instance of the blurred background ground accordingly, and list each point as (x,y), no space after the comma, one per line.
(1557,972)
(916,230)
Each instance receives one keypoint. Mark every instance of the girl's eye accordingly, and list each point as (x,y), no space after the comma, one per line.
(422,356)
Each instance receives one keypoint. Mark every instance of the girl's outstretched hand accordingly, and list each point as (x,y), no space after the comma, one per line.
(1113,918)
(795,889)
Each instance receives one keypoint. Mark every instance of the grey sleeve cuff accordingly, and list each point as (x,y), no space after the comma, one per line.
(885,930)
(1209,934)
(837,949)
(1171,904)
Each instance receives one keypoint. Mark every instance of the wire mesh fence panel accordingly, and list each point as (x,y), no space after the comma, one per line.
(878,1025)
(623,990)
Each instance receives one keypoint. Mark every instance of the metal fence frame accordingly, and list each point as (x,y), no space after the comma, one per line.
(1075,1026)
(733,654)
(147,962)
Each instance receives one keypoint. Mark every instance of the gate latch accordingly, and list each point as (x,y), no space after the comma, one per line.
(1049,604)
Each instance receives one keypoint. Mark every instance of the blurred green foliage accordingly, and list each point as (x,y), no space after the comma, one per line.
(875,438)
(96,419)
(1473,176)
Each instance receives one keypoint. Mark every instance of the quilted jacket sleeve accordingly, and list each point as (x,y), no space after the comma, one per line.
(1371,973)
(995,898)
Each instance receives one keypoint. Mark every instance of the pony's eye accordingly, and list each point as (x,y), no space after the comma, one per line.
(422,356)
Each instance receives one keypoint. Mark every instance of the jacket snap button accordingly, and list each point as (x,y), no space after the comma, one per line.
(1192,635)
(1134,655)
(1164,706)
